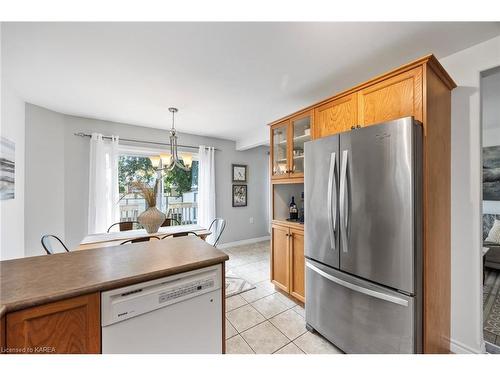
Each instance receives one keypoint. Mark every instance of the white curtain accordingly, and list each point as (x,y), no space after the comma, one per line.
(104,208)
(206,186)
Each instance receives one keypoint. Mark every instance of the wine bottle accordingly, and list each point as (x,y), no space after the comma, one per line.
(293,211)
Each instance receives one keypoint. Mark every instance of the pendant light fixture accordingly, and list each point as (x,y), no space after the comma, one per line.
(175,161)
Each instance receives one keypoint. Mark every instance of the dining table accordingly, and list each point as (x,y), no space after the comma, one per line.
(98,240)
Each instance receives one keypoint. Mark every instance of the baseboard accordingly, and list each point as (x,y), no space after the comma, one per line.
(460,348)
(243,242)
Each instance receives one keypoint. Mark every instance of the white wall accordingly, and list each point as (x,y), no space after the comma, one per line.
(490,101)
(466,228)
(12,211)
(491,137)
(50,143)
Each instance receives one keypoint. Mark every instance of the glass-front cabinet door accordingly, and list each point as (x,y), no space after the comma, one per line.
(301,133)
(279,153)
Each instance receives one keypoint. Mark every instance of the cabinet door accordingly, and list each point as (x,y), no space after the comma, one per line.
(300,128)
(280,150)
(280,262)
(297,264)
(69,326)
(393,98)
(336,116)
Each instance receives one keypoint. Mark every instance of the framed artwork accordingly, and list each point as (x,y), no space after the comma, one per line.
(239,173)
(491,173)
(240,195)
(7,168)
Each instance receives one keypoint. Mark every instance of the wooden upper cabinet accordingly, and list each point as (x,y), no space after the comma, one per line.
(335,116)
(287,146)
(280,163)
(297,264)
(392,98)
(69,326)
(280,257)
(300,131)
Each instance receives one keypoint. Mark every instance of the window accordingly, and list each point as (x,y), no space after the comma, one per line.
(179,188)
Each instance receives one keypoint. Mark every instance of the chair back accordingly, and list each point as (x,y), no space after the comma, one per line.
(140,239)
(53,244)
(217,228)
(169,221)
(180,234)
(125,225)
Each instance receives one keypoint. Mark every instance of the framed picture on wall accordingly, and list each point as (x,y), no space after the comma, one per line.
(239,173)
(240,195)
(491,173)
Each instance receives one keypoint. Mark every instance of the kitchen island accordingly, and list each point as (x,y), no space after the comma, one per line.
(53,303)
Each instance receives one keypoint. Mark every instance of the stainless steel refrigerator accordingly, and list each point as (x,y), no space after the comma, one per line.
(363,238)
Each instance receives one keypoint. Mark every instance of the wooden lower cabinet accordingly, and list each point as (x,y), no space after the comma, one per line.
(287,260)
(280,257)
(68,326)
(297,264)
(2,335)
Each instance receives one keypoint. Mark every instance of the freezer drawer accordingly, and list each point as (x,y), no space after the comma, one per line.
(358,316)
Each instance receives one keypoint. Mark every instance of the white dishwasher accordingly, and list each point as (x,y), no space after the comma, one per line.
(173,315)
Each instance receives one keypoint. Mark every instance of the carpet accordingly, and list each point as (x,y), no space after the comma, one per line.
(236,285)
(491,306)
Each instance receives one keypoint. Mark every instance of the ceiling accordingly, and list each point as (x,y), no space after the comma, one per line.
(227,79)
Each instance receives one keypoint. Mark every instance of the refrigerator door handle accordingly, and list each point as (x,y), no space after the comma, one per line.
(332,199)
(344,201)
(357,288)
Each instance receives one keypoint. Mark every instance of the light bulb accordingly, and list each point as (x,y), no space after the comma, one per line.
(187,159)
(155,161)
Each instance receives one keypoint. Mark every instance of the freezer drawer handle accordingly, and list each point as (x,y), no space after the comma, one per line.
(344,202)
(332,200)
(357,288)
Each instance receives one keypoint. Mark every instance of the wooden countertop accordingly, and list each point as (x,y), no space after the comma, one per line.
(32,281)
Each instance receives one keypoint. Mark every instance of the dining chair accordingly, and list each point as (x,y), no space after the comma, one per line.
(180,234)
(125,225)
(48,242)
(169,221)
(140,239)
(218,225)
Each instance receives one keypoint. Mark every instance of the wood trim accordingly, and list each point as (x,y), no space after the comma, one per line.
(223,291)
(289,180)
(288,224)
(72,325)
(431,59)
(437,216)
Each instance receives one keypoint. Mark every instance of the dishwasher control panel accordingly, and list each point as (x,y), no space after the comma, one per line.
(124,303)
(186,290)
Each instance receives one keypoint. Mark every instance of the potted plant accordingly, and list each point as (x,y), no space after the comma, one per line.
(152,218)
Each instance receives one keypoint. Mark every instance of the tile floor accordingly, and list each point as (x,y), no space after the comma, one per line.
(262,320)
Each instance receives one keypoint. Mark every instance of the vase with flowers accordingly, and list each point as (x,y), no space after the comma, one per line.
(152,218)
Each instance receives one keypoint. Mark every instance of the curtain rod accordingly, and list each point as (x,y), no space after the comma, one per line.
(81,134)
